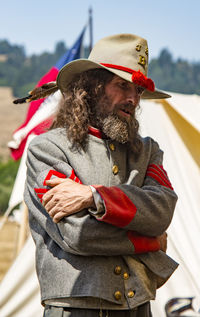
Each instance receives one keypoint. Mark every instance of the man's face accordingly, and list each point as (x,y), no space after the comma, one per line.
(123,97)
(115,111)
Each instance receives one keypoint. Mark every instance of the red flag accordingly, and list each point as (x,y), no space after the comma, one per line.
(41,112)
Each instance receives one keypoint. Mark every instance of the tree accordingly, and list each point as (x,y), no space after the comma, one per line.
(60,49)
(22,73)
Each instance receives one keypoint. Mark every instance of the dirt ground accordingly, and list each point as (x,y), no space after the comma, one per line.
(11,117)
(8,245)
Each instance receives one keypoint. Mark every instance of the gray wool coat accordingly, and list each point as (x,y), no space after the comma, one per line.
(77,258)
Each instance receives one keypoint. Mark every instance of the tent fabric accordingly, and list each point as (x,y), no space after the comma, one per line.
(18,188)
(183,234)
(188,106)
(19,289)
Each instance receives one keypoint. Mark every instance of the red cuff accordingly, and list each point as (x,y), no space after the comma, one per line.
(143,244)
(120,210)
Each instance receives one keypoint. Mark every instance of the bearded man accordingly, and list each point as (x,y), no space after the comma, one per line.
(98,196)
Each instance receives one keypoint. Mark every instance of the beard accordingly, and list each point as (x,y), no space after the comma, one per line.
(114,127)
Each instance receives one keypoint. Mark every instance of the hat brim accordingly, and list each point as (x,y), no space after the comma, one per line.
(70,70)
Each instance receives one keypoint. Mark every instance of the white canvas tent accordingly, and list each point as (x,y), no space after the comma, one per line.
(175,125)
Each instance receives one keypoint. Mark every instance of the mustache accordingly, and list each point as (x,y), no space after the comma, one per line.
(125,106)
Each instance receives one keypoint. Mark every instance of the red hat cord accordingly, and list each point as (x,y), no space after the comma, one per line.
(137,76)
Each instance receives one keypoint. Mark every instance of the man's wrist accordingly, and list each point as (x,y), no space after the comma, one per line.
(99,207)
(90,201)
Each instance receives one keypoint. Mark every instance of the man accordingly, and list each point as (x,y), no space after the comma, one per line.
(99,199)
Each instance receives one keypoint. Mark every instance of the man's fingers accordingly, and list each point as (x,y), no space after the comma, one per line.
(53,212)
(55,181)
(58,216)
(46,198)
(52,183)
(57,210)
(50,204)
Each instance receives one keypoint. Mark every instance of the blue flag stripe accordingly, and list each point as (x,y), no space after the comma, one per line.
(72,53)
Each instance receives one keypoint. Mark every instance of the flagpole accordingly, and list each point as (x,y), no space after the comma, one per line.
(90,29)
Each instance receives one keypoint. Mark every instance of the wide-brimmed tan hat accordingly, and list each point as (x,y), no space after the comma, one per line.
(125,55)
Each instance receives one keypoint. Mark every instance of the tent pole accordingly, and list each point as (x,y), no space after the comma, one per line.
(23,228)
(5,217)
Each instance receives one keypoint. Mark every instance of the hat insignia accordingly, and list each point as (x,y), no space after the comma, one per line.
(138,47)
(142,61)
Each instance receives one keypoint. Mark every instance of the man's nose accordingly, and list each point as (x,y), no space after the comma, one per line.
(133,98)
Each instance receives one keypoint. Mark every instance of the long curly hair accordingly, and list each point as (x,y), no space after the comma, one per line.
(76,110)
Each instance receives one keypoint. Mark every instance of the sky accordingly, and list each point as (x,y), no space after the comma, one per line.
(39,24)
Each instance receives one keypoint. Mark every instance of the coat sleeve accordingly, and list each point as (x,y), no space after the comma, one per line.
(147,210)
(80,233)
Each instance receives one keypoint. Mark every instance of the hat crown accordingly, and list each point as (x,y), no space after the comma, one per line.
(127,50)
(125,55)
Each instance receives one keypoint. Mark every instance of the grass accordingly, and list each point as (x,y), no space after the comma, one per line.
(8,172)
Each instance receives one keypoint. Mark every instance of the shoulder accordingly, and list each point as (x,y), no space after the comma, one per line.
(52,144)
(150,151)
(56,135)
(53,140)
(150,144)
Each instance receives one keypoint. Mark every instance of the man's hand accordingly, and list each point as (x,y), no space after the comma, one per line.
(163,241)
(66,197)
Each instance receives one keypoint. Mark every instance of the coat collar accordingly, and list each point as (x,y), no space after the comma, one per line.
(96,132)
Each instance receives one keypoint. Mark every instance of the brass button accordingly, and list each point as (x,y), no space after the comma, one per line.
(115,169)
(118,295)
(126,276)
(112,147)
(118,270)
(131,294)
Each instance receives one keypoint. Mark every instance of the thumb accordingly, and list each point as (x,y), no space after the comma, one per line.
(55,181)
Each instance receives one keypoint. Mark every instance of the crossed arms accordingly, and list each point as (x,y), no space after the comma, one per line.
(86,234)
(67,197)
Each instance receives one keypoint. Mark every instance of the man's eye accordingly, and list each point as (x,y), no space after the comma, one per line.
(140,90)
(123,85)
